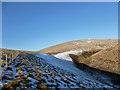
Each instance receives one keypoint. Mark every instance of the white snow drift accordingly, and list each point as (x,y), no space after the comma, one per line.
(65,55)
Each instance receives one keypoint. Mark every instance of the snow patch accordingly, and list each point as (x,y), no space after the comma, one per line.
(65,55)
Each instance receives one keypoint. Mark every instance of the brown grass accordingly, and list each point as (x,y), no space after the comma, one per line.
(83,44)
(106,59)
(99,53)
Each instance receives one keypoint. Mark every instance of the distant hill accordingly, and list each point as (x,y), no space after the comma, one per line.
(87,44)
(97,53)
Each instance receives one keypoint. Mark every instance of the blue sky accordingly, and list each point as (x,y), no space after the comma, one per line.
(34,26)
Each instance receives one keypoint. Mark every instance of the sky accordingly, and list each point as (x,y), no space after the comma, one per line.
(36,25)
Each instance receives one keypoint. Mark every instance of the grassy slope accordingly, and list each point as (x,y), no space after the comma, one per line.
(100,53)
(106,59)
(80,44)
(3,52)
(12,50)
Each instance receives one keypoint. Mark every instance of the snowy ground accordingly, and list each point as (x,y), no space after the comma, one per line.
(71,67)
(35,70)
(65,55)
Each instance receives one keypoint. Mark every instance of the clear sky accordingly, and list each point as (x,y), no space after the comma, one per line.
(34,26)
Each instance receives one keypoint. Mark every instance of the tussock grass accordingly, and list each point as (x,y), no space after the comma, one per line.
(80,45)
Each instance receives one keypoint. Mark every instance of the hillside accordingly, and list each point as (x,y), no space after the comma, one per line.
(106,59)
(97,53)
(44,71)
(76,64)
(3,50)
(12,52)
(87,44)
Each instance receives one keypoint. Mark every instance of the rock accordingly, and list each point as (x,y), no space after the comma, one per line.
(11,83)
(39,79)
(19,78)
(47,71)
(9,78)
(11,88)
(30,75)
(33,69)
(21,74)
(19,71)
(66,81)
(66,76)
(53,76)
(25,77)
(39,71)
(42,86)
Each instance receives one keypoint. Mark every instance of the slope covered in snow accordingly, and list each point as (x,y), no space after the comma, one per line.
(65,64)
(97,76)
(44,70)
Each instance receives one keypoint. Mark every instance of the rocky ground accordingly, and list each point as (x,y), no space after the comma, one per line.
(31,71)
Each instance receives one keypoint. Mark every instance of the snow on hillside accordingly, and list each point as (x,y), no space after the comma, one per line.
(34,70)
(65,55)
(71,67)
(66,65)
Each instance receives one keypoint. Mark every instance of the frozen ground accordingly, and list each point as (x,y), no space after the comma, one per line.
(34,70)
(71,67)
(65,55)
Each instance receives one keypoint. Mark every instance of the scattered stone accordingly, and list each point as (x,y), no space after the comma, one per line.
(11,83)
(53,76)
(47,71)
(25,77)
(19,78)
(66,81)
(39,71)
(42,86)
(9,78)
(19,72)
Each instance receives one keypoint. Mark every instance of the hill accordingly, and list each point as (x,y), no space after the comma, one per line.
(106,59)
(87,44)
(94,64)
(97,53)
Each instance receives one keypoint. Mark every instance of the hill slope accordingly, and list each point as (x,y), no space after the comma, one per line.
(97,53)
(106,59)
(80,45)
(35,71)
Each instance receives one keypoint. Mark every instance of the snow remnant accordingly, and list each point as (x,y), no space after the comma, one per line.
(65,55)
